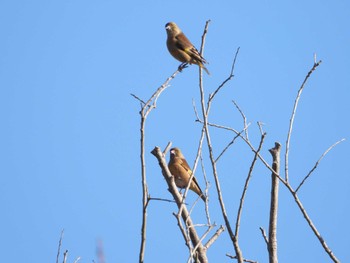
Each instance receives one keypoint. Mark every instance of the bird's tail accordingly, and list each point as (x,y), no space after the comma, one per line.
(204,198)
(195,188)
(203,67)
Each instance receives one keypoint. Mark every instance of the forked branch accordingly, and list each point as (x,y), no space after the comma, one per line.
(317,163)
(146,108)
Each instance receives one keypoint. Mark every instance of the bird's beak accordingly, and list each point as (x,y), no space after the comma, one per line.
(167,28)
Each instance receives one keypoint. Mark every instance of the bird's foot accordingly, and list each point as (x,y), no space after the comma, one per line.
(182,66)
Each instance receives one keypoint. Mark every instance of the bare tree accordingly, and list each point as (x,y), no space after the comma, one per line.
(196,244)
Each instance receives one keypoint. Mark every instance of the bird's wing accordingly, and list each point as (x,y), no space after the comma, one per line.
(194,53)
(185,165)
(182,42)
(197,188)
(179,168)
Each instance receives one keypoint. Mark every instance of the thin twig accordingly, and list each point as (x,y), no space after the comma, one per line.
(206,191)
(240,208)
(145,194)
(59,246)
(244,260)
(244,119)
(161,199)
(199,157)
(317,163)
(183,232)
(291,121)
(140,100)
(230,143)
(214,237)
(204,37)
(265,237)
(211,96)
(167,148)
(199,150)
(260,124)
(152,101)
(200,143)
(65,255)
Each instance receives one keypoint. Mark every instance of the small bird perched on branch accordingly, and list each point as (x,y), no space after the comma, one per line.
(181,48)
(181,171)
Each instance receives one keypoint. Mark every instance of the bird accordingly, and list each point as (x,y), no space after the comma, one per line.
(181,48)
(182,172)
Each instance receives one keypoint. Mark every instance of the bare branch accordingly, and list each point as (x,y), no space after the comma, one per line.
(146,108)
(200,84)
(199,151)
(204,36)
(183,231)
(244,260)
(206,190)
(312,226)
(201,139)
(140,100)
(217,183)
(205,112)
(161,199)
(272,245)
(291,121)
(145,194)
(59,246)
(244,119)
(65,255)
(286,182)
(167,148)
(260,124)
(214,237)
(211,96)
(240,208)
(316,164)
(229,144)
(265,237)
(152,101)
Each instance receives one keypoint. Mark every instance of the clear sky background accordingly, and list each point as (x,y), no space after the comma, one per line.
(69,137)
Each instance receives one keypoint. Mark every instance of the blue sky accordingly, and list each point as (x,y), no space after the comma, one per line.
(69,142)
